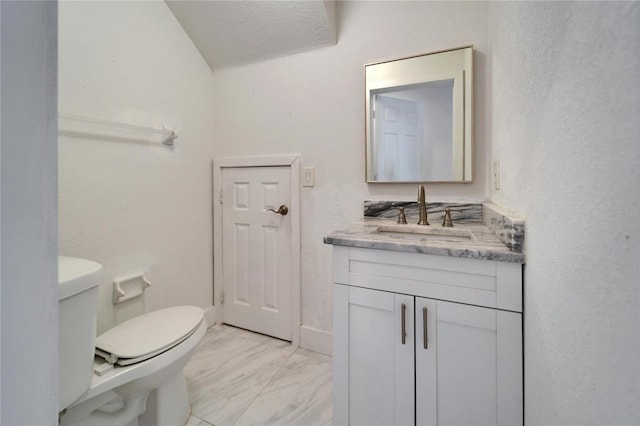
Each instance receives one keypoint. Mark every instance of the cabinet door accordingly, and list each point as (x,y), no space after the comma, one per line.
(473,365)
(381,361)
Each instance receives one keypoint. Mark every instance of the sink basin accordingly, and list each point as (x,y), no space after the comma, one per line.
(425,233)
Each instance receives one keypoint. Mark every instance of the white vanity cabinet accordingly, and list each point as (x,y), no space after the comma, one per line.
(464,369)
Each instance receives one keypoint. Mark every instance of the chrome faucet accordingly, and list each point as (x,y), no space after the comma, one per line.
(423,206)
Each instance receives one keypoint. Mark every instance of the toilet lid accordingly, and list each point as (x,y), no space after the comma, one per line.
(145,336)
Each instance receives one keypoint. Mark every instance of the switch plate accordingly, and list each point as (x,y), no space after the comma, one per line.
(496,175)
(308,176)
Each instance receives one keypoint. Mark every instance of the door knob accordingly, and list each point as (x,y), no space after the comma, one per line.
(283,210)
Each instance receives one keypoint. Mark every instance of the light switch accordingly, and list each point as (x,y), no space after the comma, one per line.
(496,175)
(308,176)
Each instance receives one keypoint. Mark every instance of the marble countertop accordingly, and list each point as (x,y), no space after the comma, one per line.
(363,234)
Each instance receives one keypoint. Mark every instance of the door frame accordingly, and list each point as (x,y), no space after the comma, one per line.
(286,160)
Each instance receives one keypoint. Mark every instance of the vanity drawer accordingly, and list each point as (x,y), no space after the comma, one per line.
(486,283)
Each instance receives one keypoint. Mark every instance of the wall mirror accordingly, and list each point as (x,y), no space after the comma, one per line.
(418,117)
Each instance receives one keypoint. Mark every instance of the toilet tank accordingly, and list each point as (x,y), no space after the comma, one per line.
(78,281)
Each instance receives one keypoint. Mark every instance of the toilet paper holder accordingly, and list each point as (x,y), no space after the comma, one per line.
(128,287)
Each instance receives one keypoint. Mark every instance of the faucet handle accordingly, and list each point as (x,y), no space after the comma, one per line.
(402,219)
(448,222)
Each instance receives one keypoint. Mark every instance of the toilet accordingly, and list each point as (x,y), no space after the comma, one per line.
(130,375)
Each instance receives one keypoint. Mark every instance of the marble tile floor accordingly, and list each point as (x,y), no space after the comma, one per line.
(237,377)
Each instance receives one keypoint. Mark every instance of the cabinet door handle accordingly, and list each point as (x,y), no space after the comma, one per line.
(404,324)
(425,336)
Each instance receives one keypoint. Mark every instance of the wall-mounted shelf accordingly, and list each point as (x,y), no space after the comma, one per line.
(79,125)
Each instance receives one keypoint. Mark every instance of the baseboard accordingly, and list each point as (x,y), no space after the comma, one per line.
(316,340)
(210,315)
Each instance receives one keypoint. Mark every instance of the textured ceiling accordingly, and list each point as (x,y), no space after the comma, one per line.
(232,33)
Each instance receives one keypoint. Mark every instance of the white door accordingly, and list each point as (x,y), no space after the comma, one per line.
(256,250)
(381,373)
(399,138)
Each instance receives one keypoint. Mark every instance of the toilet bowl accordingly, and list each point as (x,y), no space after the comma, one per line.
(136,378)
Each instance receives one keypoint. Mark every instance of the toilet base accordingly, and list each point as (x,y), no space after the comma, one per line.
(167,405)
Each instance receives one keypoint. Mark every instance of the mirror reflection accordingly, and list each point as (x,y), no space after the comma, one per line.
(418,114)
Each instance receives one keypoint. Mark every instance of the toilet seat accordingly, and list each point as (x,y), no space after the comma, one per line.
(148,335)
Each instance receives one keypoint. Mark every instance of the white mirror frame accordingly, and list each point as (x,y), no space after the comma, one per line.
(454,64)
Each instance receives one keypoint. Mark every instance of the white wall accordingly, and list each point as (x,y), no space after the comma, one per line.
(136,207)
(29,227)
(313,104)
(564,125)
